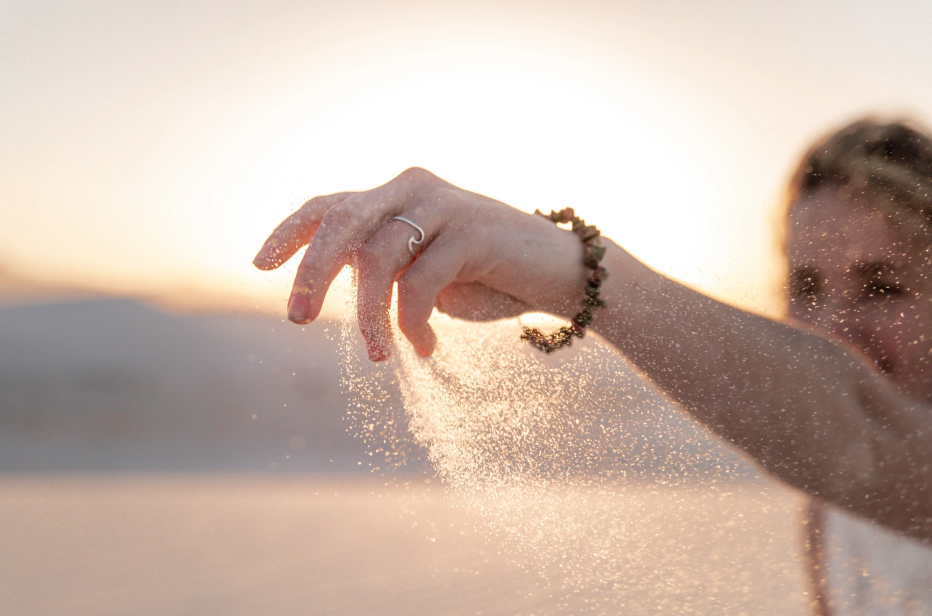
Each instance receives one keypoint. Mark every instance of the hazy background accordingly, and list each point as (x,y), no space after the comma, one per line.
(148,148)
(168,445)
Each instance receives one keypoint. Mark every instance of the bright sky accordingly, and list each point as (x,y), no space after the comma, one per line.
(150,147)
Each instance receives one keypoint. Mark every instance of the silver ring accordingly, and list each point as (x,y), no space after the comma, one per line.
(412,243)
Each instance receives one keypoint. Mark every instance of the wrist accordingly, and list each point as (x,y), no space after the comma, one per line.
(593,252)
(563,290)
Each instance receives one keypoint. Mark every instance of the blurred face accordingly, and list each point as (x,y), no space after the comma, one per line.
(863,276)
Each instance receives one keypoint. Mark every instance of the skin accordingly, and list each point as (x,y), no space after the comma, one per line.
(862,275)
(815,412)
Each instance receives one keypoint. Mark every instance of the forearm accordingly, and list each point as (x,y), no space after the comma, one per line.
(808,410)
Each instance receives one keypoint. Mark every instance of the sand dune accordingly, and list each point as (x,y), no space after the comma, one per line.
(112,384)
(17,289)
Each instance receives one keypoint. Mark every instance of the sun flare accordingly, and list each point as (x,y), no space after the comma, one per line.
(535,139)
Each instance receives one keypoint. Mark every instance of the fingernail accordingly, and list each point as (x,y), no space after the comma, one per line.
(298,307)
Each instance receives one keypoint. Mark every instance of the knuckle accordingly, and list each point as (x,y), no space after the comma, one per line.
(305,278)
(417,175)
(445,196)
(325,200)
(336,218)
(377,251)
(311,206)
(312,202)
(338,215)
(368,256)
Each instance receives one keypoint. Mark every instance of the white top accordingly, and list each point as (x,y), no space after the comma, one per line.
(859,568)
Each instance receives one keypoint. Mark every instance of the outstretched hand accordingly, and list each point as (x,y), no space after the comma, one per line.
(480,259)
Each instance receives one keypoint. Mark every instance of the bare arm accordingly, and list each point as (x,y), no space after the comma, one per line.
(811,412)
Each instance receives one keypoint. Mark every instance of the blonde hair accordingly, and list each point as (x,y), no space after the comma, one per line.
(874,159)
(887,163)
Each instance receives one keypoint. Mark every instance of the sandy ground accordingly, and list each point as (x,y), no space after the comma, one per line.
(249,544)
(158,465)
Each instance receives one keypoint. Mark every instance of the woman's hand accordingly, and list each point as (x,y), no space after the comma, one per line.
(759,384)
(480,259)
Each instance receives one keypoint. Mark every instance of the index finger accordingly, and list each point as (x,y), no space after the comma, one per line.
(344,229)
(295,231)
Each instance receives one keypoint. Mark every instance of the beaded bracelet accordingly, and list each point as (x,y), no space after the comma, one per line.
(590,236)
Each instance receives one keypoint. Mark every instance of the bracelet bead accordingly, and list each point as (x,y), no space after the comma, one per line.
(594,252)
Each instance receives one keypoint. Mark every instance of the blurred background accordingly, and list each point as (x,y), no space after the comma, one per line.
(169,445)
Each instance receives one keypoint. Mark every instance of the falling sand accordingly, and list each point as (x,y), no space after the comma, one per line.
(546,454)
